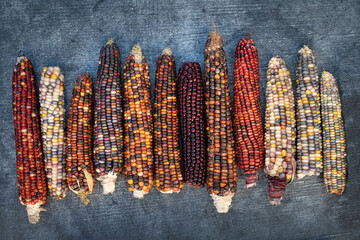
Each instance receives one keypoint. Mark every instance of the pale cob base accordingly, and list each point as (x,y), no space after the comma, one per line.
(222,203)
(139,194)
(108,182)
(169,192)
(33,212)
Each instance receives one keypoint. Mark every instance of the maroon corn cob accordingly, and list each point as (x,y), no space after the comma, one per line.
(168,176)
(221,168)
(249,140)
(192,125)
(29,155)
(79,163)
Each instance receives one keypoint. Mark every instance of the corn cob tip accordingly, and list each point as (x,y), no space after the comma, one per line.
(136,51)
(167,51)
(326,74)
(33,212)
(305,50)
(214,36)
(20,59)
(110,41)
(108,182)
(139,194)
(222,203)
(248,36)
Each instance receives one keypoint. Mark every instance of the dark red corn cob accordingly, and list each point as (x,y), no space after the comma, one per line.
(168,176)
(29,155)
(221,168)
(108,129)
(249,140)
(79,162)
(192,125)
(138,141)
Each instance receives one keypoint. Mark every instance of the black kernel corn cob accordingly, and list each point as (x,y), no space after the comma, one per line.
(79,162)
(308,118)
(168,176)
(221,168)
(52,113)
(138,149)
(108,129)
(335,165)
(192,125)
(29,155)
(248,131)
(280,129)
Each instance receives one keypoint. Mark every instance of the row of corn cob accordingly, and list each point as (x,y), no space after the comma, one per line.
(130,147)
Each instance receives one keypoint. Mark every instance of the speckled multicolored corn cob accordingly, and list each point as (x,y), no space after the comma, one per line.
(308,119)
(79,162)
(29,155)
(248,132)
(221,168)
(52,112)
(280,129)
(335,165)
(168,176)
(191,111)
(108,128)
(139,159)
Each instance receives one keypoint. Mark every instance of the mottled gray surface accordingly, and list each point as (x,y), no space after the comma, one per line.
(71,33)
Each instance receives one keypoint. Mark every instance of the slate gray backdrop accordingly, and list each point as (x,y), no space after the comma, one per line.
(70,34)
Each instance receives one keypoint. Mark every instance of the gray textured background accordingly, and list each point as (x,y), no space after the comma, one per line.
(70,34)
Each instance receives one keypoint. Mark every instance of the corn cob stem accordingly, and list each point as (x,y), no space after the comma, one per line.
(308,119)
(138,143)
(79,164)
(221,168)
(280,129)
(52,112)
(108,129)
(249,140)
(191,105)
(335,165)
(29,155)
(168,176)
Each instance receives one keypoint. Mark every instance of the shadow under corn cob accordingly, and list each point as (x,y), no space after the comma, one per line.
(221,167)
(192,125)
(168,176)
(248,132)
(29,155)
(308,119)
(280,129)
(139,160)
(79,162)
(52,113)
(108,129)
(335,165)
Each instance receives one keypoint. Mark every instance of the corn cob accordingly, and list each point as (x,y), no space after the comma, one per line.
(191,105)
(335,165)
(168,176)
(221,168)
(138,141)
(248,132)
(280,129)
(52,112)
(308,119)
(79,164)
(29,155)
(108,129)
